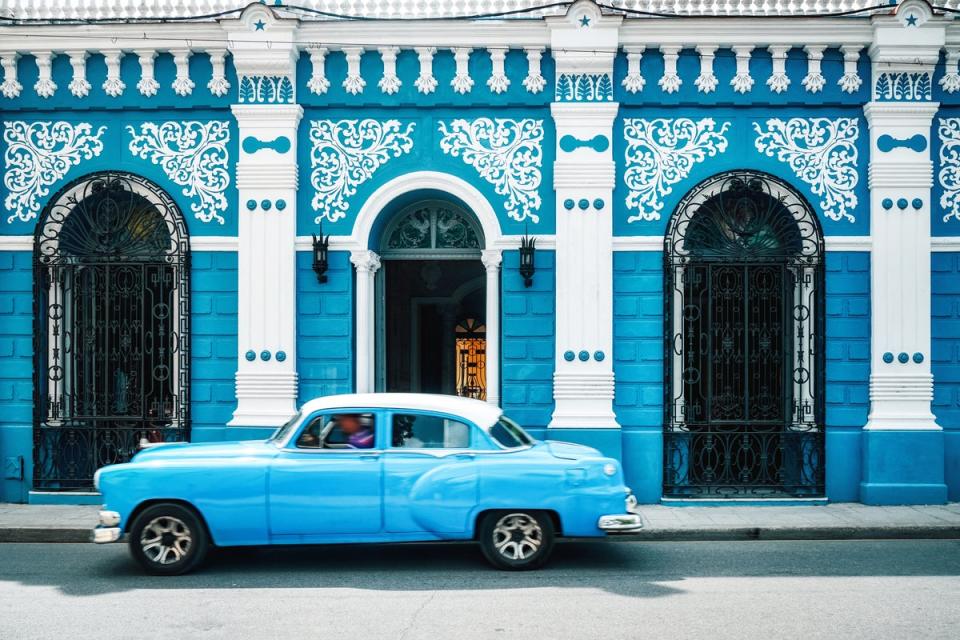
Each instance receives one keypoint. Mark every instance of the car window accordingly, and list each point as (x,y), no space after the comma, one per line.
(417,431)
(338,431)
(509,434)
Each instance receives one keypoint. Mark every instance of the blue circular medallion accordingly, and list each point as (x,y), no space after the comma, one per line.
(584,356)
(281,356)
(568,204)
(569,356)
(888,357)
(917,203)
(264,355)
(902,203)
(250,355)
(265,205)
(251,204)
(583,204)
(281,204)
(887,204)
(598,204)
(903,357)
(918,357)
(598,356)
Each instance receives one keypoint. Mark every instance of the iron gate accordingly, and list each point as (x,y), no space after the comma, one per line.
(743,265)
(111,327)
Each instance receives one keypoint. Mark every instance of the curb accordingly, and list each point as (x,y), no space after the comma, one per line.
(946,532)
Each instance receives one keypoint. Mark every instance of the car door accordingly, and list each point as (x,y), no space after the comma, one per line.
(430,474)
(328,479)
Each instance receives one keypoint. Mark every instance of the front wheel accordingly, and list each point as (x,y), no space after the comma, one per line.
(516,540)
(168,539)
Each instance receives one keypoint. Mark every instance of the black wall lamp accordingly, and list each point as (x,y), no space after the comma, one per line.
(528,247)
(321,256)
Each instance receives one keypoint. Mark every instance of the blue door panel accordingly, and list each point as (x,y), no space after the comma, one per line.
(424,492)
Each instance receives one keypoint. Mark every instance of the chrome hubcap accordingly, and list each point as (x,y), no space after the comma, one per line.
(517,536)
(165,540)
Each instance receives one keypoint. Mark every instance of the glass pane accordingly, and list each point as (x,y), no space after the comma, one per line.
(411,431)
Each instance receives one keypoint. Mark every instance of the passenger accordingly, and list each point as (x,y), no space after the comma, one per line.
(359,435)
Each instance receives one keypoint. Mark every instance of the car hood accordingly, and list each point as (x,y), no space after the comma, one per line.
(571,451)
(186,450)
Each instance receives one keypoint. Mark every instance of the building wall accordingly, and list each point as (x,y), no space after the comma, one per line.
(946,360)
(16,373)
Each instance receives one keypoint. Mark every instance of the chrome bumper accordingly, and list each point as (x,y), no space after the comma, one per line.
(621,523)
(107,530)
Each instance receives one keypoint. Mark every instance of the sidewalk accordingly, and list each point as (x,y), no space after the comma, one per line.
(41,523)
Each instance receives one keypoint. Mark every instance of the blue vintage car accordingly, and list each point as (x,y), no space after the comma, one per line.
(366,468)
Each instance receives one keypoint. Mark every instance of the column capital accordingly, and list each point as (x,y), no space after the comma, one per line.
(365,261)
(491,259)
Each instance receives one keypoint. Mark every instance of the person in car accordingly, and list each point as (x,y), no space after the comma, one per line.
(359,435)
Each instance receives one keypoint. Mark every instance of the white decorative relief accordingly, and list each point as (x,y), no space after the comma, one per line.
(814,80)
(113,85)
(218,84)
(534,82)
(193,154)
(182,84)
(345,154)
(462,82)
(661,152)
(707,81)
(79,85)
(38,155)
(670,81)
(506,153)
(11,87)
(778,80)
(147,85)
(850,81)
(633,82)
(389,82)
(820,151)
(742,82)
(425,82)
(949,173)
(951,79)
(498,80)
(44,86)
(318,83)
(354,82)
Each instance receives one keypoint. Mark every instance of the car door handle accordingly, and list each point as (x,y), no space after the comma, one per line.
(465,456)
(370,456)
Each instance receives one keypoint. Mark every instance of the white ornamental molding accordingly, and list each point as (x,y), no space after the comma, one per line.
(182,84)
(951,79)
(44,86)
(79,85)
(820,151)
(850,81)
(661,152)
(218,84)
(113,86)
(193,154)
(707,81)
(38,155)
(11,87)
(742,82)
(534,82)
(949,173)
(389,82)
(778,81)
(345,154)
(498,82)
(318,83)
(506,153)
(354,82)
(633,82)
(462,83)
(425,82)
(814,80)
(670,81)
(147,85)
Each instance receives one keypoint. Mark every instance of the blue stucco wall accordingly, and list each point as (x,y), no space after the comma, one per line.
(214,343)
(16,370)
(528,341)
(324,327)
(638,368)
(848,369)
(945,360)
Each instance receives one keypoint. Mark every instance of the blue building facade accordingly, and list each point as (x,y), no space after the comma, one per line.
(743,233)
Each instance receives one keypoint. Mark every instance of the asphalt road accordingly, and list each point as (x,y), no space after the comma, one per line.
(792,589)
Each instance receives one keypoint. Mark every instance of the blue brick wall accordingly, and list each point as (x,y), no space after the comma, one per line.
(528,341)
(324,327)
(213,345)
(945,360)
(16,369)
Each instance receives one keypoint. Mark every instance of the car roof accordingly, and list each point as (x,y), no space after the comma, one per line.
(483,414)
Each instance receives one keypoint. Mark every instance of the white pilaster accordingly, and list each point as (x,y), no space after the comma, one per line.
(492,258)
(366,264)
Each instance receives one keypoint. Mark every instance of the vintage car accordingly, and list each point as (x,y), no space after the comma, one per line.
(366,468)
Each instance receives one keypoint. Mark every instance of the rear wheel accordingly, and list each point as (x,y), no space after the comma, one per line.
(168,539)
(516,540)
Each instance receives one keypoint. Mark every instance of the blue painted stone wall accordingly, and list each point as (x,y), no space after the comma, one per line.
(848,369)
(16,370)
(945,360)
(528,341)
(638,367)
(324,327)
(214,343)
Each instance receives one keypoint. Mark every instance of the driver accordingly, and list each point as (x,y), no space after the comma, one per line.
(359,435)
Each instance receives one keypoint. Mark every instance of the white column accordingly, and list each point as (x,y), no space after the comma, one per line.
(492,259)
(366,264)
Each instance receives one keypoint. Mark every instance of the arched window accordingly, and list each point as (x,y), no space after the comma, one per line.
(432,229)
(744,355)
(111,277)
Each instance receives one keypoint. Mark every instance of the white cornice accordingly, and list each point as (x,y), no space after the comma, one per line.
(655,243)
(690,32)
(945,243)
(16,243)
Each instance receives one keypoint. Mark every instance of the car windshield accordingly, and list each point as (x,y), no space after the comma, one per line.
(281,434)
(509,434)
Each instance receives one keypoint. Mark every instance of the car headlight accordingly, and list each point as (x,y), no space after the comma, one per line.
(610,469)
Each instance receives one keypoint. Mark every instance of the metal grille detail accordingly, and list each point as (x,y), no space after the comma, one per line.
(111,295)
(744,373)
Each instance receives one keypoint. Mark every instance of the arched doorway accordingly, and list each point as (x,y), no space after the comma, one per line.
(111,327)
(431,333)
(744,367)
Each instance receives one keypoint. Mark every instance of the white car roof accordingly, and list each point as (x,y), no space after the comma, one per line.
(483,414)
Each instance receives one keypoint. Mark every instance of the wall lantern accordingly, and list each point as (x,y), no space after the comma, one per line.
(527,250)
(320,256)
